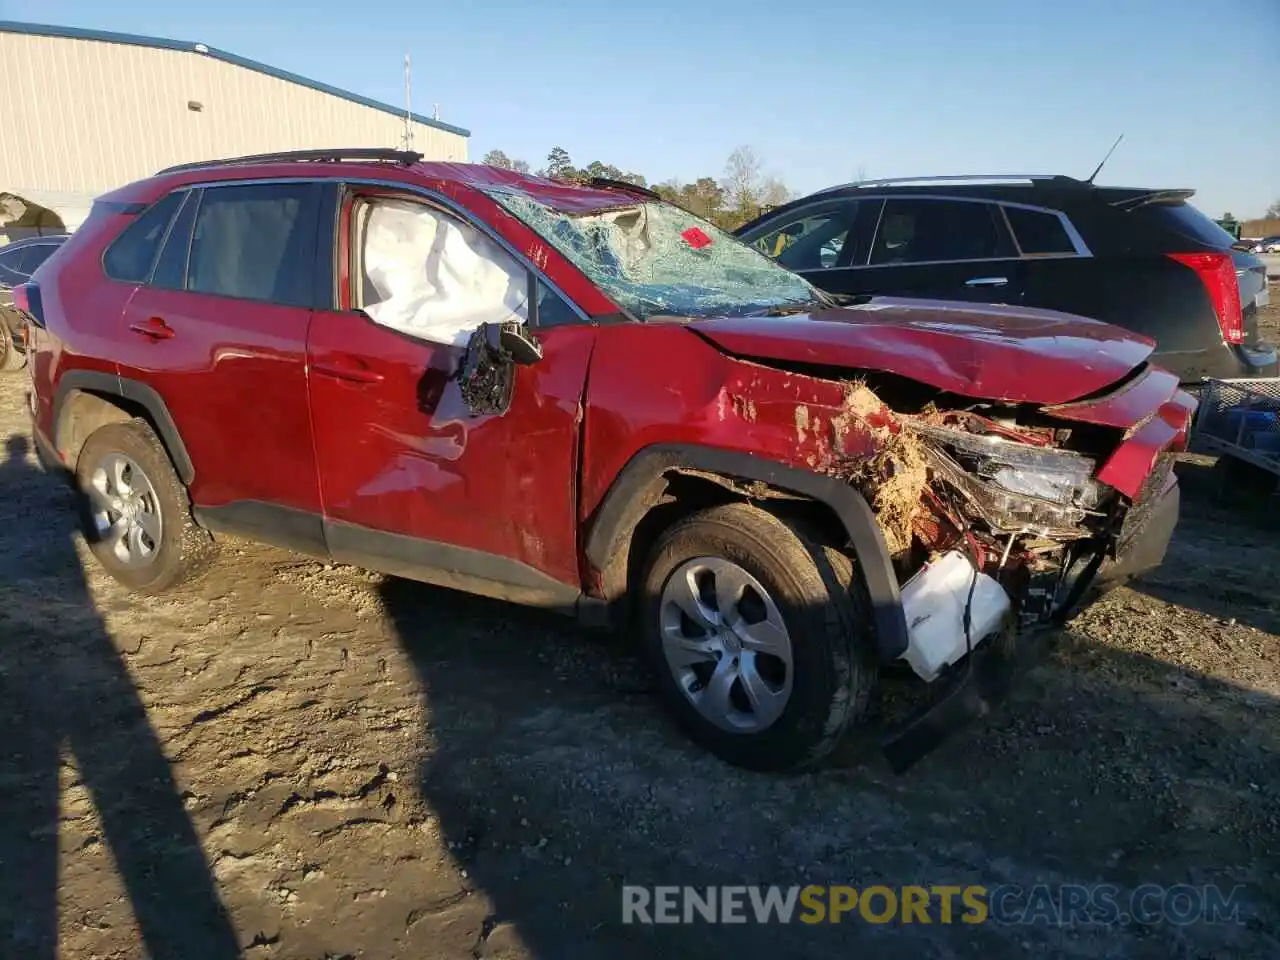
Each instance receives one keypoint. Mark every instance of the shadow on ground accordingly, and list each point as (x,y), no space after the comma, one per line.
(1222,559)
(69,712)
(557,781)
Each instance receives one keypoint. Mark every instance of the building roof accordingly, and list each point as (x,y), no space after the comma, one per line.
(184,46)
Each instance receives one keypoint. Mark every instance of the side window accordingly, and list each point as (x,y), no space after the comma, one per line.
(1038,233)
(255,242)
(132,254)
(430,275)
(812,241)
(171,268)
(552,309)
(929,231)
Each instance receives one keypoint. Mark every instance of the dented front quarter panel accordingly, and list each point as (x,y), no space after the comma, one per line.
(661,384)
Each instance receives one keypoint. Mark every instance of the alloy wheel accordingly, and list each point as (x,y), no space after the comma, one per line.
(726,644)
(125,510)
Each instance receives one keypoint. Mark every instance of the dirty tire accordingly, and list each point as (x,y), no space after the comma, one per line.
(824,607)
(10,357)
(185,549)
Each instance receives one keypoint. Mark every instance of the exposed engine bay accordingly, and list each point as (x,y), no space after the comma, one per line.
(994,519)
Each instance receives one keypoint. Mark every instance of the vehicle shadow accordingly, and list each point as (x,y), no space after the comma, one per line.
(66,698)
(1223,553)
(557,781)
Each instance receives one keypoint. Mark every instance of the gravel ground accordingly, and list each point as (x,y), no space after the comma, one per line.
(300,760)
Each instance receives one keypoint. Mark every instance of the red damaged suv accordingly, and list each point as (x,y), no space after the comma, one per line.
(580,397)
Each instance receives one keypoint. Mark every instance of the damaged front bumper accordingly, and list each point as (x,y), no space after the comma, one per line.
(969,664)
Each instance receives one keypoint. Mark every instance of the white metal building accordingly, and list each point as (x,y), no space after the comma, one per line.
(84,111)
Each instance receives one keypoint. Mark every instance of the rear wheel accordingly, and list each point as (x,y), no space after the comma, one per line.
(10,357)
(758,636)
(135,512)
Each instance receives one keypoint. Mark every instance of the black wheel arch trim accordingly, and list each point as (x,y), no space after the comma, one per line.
(97,381)
(617,515)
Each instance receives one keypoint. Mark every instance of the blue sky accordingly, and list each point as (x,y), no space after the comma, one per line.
(668,88)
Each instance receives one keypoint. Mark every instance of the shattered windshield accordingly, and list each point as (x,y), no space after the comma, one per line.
(654,258)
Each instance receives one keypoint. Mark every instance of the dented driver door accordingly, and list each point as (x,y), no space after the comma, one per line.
(422,478)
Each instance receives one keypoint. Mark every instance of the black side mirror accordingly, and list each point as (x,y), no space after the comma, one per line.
(487,376)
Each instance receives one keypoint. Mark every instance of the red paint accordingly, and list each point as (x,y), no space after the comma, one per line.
(327,412)
(1125,406)
(994,352)
(233,374)
(401,453)
(1133,461)
(693,402)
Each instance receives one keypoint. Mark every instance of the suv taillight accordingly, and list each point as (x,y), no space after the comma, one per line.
(1217,271)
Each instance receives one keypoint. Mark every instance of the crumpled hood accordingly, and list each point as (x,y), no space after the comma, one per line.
(1016,354)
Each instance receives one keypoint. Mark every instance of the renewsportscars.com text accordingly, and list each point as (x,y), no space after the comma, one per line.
(1053,905)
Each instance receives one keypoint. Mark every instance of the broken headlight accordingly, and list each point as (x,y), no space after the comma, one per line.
(1013,486)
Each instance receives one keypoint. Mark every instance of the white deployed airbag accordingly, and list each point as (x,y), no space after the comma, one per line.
(433,277)
(934,601)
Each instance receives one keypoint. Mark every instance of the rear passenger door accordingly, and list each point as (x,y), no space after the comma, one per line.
(943,248)
(218,327)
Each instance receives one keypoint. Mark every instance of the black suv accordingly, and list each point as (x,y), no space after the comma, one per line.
(1139,258)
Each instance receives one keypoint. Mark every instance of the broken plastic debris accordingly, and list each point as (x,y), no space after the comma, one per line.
(934,602)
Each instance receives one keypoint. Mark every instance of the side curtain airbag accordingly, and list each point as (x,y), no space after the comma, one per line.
(435,277)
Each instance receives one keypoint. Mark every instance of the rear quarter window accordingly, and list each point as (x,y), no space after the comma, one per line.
(132,254)
(1039,233)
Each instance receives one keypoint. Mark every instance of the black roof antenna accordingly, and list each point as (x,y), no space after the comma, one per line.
(1105,159)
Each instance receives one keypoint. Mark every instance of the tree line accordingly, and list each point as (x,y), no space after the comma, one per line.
(742,192)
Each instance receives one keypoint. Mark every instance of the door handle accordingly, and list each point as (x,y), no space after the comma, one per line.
(987,282)
(347,368)
(153,327)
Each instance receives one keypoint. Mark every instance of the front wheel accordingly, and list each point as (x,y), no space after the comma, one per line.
(758,636)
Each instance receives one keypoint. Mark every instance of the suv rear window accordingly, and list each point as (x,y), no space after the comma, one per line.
(131,254)
(1186,220)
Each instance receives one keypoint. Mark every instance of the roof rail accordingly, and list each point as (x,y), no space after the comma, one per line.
(406,158)
(1027,178)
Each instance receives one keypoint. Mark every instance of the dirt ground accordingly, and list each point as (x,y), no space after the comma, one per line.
(297,760)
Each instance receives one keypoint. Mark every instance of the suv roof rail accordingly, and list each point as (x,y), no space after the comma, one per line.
(1026,178)
(406,158)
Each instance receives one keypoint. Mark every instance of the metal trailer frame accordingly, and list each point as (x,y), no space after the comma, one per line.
(1214,430)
